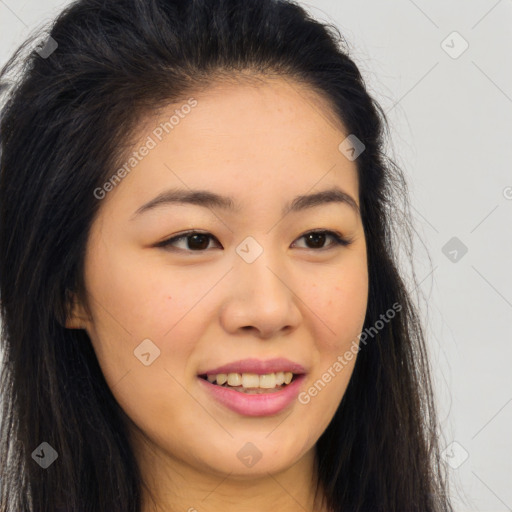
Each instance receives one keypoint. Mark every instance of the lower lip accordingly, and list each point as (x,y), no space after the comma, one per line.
(264,404)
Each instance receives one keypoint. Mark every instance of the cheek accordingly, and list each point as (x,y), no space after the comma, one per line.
(127,313)
(137,301)
(341,310)
(348,307)
(338,302)
(141,296)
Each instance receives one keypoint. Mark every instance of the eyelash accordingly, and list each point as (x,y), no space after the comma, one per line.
(339,240)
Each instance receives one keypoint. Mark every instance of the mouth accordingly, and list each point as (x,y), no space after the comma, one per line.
(252,383)
(254,387)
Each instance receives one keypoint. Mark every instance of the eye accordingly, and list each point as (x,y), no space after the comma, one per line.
(196,241)
(318,237)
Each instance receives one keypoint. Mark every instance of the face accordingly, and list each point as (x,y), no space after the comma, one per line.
(178,290)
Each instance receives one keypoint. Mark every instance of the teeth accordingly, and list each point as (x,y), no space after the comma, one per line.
(268,381)
(222,378)
(252,380)
(234,379)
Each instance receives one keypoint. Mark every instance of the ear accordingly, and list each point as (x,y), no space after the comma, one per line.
(77,317)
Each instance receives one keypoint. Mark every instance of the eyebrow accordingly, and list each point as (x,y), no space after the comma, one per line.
(208,199)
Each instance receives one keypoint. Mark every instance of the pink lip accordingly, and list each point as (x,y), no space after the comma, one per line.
(258,366)
(263,404)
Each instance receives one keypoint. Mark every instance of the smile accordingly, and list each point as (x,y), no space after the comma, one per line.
(252,400)
(252,383)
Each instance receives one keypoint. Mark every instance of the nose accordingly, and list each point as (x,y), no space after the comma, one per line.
(260,297)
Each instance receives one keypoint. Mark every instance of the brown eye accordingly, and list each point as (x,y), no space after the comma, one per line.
(192,241)
(198,242)
(316,239)
(195,241)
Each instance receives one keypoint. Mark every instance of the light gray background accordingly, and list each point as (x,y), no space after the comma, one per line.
(451,118)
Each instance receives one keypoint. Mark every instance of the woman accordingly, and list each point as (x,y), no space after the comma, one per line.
(278,364)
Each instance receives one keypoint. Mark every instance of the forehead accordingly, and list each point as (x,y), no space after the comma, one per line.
(259,138)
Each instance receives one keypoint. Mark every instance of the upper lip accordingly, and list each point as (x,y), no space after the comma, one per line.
(258,366)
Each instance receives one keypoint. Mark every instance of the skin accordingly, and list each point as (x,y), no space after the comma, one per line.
(263,144)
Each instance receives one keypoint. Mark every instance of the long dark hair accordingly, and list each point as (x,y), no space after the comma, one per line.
(68,112)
